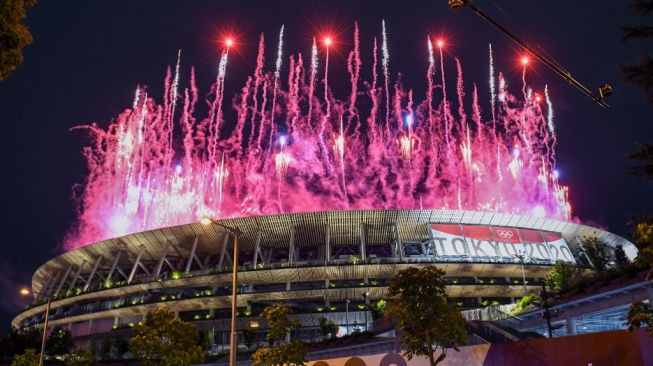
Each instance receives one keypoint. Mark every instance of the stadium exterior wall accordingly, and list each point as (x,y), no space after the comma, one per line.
(335,264)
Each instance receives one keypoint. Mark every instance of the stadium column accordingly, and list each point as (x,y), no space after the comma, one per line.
(93,271)
(49,286)
(399,246)
(362,230)
(291,253)
(291,247)
(192,257)
(327,255)
(159,265)
(77,274)
(327,245)
(257,249)
(223,251)
(63,280)
(114,265)
(571,325)
(135,266)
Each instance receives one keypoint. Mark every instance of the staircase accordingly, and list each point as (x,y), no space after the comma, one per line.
(495,325)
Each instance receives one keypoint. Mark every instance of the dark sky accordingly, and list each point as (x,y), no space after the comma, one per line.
(88,57)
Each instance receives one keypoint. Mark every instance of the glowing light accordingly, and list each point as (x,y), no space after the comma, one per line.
(206,221)
(178,169)
(282,162)
(119,224)
(406,143)
(525,60)
(409,120)
(538,98)
(229,42)
(283,140)
(24,291)
(538,211)
(328,41)
(440,43)
(556,173)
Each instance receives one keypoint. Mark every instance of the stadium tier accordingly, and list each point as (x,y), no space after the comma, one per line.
(335,264)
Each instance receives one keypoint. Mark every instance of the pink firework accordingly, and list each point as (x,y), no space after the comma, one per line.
(160,165)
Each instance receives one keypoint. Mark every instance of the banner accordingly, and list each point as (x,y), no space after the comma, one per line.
(500,243)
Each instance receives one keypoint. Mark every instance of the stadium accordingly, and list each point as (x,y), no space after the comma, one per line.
(324,264)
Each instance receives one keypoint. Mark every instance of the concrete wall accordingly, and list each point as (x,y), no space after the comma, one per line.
(597,349)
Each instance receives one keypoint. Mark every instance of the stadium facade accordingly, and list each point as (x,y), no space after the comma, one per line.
(335,264)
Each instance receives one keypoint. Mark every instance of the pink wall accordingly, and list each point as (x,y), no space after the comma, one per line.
(597,349)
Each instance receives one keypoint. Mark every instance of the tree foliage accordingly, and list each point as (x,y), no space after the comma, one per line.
(19,340)
(644,156)
(249,337)
(621,260)
(60,342)
(640,315)
(526,303)
(328,328)
(597,252)
(81,357)
(165,340)
(14,35)
(640,73)
(561,276)
(291,354)
(421,310)
(28,358)
(643,235)
(279,324)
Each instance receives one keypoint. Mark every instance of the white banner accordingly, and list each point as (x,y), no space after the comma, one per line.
(499,242)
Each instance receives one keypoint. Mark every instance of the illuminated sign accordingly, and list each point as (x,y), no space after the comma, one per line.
(499,242)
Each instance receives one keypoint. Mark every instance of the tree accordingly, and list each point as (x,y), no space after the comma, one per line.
(644,156)
(525,303)
(105,348)
(421,310)
(279,327)
(621,260)
(92,346)
(248,338)
(640,315)
(14,35)
(379,308)
(81,357)
(597,252)
(19,340)
(279,324)
(643,236)
(29,358)
(328,328)
(60,342)
(641,73)
(165,340)
(561,276)
(291,354)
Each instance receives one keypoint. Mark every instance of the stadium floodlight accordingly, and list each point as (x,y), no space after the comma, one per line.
(235,232)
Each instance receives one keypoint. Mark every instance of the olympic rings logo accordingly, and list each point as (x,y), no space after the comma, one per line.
(504,234)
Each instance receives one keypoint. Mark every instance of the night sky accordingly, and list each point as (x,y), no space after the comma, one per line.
(89,56)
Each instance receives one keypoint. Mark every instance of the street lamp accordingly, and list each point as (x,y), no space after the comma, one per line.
(521,257)
(347,316)
(235,232)
(365,295)
(25,292)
